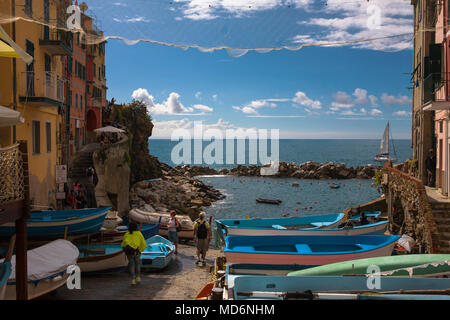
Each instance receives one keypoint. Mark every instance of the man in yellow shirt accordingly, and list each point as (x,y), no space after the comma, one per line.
(133,244)
(202,234)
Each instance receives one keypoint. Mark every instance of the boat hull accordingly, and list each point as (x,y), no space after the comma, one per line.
(41,228)
(158,254)
(305,250)
(373,229)
(5,272)
(103,263)
(38,289)
(431,265)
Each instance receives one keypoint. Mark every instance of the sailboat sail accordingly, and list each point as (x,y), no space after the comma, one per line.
(384,155)
(384,147)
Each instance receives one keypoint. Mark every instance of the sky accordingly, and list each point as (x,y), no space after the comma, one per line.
(304,67)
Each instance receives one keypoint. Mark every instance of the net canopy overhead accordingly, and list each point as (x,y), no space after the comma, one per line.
(240,26)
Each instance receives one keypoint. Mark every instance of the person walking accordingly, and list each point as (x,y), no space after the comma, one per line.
(133,244)
(430,164)
(202,235)
(173,227)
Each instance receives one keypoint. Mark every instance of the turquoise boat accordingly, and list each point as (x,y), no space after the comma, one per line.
(335,287)
(5,272)
(305,250)
(158,254)
(57,223)
(410,265)
(275,226)
(367,214)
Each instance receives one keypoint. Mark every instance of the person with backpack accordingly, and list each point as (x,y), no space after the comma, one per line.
(202,235)
(133,244)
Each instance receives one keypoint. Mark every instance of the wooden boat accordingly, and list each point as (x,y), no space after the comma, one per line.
(305,250)
(116,235)
(5,272)
(145,217)
(101,258)
(332,287)
(158,254)
(58,223)
(112,220)
(368,229)
(269,201)
(205,292)
(367,214)
(277,226)
(47,268)
(416,265)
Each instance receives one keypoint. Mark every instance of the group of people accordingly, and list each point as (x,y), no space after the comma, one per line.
(134,243)
(82,196)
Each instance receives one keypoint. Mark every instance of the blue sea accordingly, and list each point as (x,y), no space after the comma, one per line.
(311,197)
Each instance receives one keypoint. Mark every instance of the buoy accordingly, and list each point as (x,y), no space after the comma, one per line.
(296,210)
(315,202)
(310,207)
(299,202)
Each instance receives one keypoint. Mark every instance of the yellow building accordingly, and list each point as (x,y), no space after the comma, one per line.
(37,90)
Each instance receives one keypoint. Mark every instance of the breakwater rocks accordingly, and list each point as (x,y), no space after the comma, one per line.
(173,191)
(307,170)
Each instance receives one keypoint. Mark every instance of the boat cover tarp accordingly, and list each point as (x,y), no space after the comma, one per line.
(48,259)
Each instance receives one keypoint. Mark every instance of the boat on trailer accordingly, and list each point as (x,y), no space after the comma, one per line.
(48,268)
(306,250)
(59,223)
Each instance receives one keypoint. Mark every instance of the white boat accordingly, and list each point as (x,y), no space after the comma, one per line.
(384,154)
(112,220)
(145,217)
(101,258)
(47,268)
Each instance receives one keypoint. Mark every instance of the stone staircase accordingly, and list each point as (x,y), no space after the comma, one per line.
(441,214)
(81,161)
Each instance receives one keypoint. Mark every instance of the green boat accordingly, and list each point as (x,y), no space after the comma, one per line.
(412,265)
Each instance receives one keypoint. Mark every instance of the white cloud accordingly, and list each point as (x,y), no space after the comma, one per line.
(253,106)
(375,112)
(215,96)
(301,99)
(399,100)
(172,106)
(202,107)
(198,95)
(402,113)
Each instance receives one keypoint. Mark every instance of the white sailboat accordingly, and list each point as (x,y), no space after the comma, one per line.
(384,155)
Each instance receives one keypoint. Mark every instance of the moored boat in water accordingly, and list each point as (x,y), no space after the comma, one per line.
(269,201)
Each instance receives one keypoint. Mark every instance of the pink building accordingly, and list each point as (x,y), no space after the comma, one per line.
(437,68)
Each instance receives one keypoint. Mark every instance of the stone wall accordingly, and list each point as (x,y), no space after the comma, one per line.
(409,211)
(112,164)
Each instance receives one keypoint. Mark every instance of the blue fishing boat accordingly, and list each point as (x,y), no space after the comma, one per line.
(335,287)
(367,214)
(158,254)
(5,272)
(272,226)
(306,250)
(101,258)
(56,223)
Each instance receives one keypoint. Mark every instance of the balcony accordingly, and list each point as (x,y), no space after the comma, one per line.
(41,89)
(431,83)
(57,42)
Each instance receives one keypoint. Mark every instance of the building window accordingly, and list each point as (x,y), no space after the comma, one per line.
(95,70)
(28,7)
(36,137)
(48,132)
(441,126)
(76,100)
(81,102)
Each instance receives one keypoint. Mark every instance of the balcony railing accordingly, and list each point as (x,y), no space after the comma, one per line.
(44,86)
(58,42)
(431,83)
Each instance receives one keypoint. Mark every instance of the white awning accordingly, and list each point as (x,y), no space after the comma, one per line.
(108,129)
(9,117)
(16,50)
(437,105)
